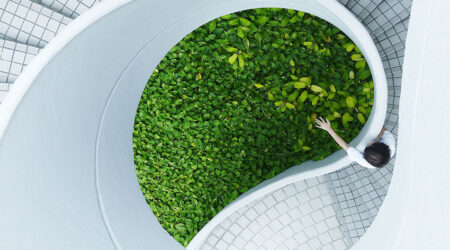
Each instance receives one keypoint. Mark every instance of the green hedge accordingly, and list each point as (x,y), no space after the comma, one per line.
(233,104)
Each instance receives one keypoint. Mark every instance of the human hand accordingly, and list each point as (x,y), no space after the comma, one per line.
(324,124)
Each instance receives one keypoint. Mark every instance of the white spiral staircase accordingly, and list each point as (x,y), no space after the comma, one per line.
(331,211)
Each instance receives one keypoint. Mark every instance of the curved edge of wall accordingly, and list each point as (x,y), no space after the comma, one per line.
(415,214)
(66,126)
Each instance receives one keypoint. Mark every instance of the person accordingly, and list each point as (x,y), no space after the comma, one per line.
(376,154)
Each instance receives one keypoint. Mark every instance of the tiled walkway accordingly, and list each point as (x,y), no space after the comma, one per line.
(300,215)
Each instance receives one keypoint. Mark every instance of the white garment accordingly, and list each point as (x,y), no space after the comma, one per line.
(387,138)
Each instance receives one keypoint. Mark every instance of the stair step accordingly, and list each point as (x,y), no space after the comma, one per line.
(13,59)
(386,15)
(336,185)
(4,86)
(343,2)
(69,8)
(362,8)
(2,94)
(29,23)
(393,39)
(383,175)
(356,215)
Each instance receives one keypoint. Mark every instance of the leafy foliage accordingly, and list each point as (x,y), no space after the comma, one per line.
(234,104)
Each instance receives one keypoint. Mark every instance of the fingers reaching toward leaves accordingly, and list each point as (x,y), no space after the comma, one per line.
(323,124)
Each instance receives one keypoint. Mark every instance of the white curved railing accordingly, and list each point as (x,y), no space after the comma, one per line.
(67,123)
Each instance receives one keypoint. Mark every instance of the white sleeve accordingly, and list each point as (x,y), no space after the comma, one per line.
(357,156)
(389,139)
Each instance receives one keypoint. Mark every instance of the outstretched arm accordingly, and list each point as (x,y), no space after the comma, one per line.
(326,125)
(381,133)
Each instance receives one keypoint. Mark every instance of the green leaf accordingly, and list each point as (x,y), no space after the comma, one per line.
(347,118)
(361,118)
(293,96)
(261,20)
(364,75)
(212,25)
(231,49)
(290,105)
(349,46)
(332,88)
(306,79)
(270,96)
(226,17)
(257,85)
(351,75)
(279,103)
(316,88)
(357,57)
(233,22)
(240,32)
(232,58)
(241,61)
(361,64)
(303,96)
(306,148)
(245,22)
(350,102)
(299,85)
(291,62)
(315,100)
(246,43)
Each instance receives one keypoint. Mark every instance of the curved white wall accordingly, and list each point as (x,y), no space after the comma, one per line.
(416,212)
(67,173)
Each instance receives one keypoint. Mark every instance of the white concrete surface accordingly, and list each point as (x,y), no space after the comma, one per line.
(416,212)
(68,179)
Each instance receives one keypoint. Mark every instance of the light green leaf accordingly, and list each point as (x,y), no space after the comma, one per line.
(333,88)
(279,103)
(299,85)
(292,96)
(316,88)
(350,102)
(290,105)
(232,58)
(270,96)
(233,22)
(245,22)
(257,85)
(303,96)
(240,32)
(261,20)
(306,79)
(357,57)
(231,49)
(361,118)
(351,75)
(241,61)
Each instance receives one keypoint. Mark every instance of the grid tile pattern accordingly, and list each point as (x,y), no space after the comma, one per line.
(68,8)
(13,58)
(298,215)
(26,26)
(386,15)
(29,23)
(362,7)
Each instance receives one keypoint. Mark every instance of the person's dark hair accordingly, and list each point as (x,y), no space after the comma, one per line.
(377,154)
